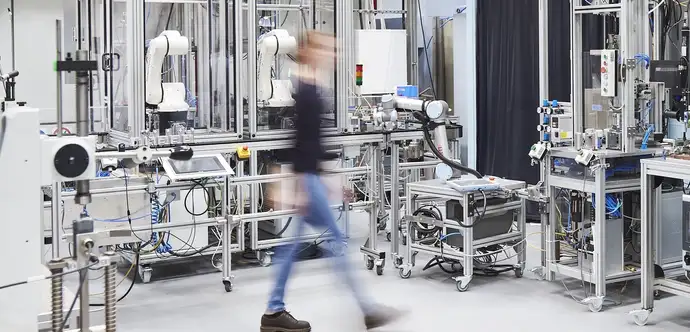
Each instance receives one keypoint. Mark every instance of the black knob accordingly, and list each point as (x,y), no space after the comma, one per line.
(687,259)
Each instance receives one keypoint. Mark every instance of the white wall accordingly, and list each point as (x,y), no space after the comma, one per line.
(35,52)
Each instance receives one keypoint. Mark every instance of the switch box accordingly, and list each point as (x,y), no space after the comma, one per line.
(609,80)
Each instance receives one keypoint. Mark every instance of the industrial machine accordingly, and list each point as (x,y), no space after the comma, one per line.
(623,95)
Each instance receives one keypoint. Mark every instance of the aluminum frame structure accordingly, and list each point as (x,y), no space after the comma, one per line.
(434,190)
(652,171)
(633,16)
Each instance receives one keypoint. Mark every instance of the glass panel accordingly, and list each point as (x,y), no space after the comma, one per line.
(116,37)
(204,70)
(272,114)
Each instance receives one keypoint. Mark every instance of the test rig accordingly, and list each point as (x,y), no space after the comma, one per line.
(624,92)
(195,118)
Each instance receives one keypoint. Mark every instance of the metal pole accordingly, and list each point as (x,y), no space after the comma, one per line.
(544,95)
(83,195)
(647,239)
(237,64)
(14,61)
(395,199)
(658,35)
(56,221)
(375,203)
(411,21)
(251,67)
(83,252)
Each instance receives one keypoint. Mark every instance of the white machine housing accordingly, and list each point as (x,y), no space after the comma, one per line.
(20,167)
(50,147)
(274,93)
(166,97)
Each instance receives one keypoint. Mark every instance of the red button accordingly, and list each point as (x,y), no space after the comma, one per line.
(603,70)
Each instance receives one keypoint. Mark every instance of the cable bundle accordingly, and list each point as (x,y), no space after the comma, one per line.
(613,205)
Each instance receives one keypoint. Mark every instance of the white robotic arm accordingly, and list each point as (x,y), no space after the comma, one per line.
(436,113)
(274,93)
(165,97)
(436,110)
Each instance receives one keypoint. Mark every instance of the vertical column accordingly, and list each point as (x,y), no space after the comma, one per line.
(375,201)
(83,195)
(411,23)
(345,54)
(253,198)
(546,225)
(599,230)
(135,67)
(237,64)
(576,67)
(647,258)
(251,65)
(56,220)
(395,199)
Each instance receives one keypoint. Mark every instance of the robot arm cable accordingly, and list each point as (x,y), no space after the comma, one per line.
(426,123)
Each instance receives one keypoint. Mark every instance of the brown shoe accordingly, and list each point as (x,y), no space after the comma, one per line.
(381,316)
(283,322)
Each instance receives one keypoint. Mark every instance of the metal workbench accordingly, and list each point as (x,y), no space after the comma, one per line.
(652,171)
(441,192)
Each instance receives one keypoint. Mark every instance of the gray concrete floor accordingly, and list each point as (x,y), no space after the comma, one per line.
(430,300)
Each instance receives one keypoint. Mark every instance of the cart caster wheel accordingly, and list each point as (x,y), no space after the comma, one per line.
(379,270)
(388,236)
(405,275)
(398,261)
(265,259)
(640,316)
(657,295)
(145,274)
(594,307)
(369,263)
(228,286)
(518,273)
(462,288)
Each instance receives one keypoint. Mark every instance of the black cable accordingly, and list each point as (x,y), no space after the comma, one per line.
(206,193)
(167,24)
(131,285)
(480,218)
(426,49)
(287,224)
(427,136)
(286,16)
(187,253)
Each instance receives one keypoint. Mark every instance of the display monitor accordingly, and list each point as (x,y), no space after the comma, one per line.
(197,167)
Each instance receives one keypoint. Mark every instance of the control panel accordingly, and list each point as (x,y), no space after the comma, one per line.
(686,232)
(609,80)
(555,124)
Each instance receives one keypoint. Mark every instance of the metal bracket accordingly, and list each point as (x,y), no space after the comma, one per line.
(110,62)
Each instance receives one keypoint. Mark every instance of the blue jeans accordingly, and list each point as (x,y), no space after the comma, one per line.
(318,214)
